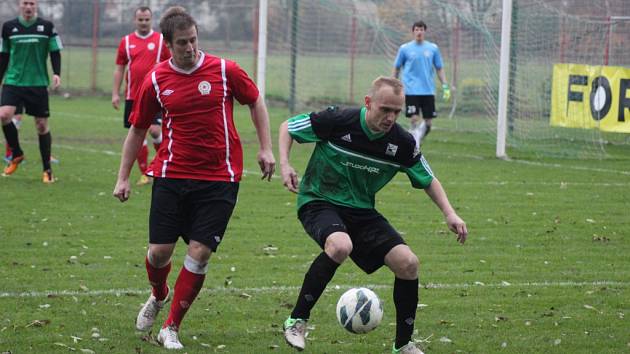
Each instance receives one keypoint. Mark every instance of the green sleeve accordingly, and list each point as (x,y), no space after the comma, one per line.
(301,130)
(419,174)
(54,44)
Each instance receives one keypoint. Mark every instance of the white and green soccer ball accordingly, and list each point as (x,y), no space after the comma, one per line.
(359,310)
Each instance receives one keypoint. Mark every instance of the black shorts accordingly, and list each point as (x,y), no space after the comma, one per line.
(193,209)
(420,103)
(33,98)
(371,234)
(157,120)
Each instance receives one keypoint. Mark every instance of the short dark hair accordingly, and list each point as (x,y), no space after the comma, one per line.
(419,24)
(175,18)
(143,9)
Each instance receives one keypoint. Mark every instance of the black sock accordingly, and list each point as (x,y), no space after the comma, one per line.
(319,274)
(11,135)
(45,142)
(406,302)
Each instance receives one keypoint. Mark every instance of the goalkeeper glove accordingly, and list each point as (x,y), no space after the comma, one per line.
(446,92)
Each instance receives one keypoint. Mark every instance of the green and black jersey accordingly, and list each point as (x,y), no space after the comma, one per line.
(350,163)
(28,45)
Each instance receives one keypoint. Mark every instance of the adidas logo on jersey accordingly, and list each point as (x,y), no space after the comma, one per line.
(347,138)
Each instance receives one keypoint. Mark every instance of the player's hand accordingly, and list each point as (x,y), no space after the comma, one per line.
(122,190)
(446,92)
(116,101)
(267,164)
(56,82)
(458,226)
(289,178)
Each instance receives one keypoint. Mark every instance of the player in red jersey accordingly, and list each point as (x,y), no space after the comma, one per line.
(140,51)
(197,168)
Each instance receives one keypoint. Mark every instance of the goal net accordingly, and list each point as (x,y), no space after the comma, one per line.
(323,51)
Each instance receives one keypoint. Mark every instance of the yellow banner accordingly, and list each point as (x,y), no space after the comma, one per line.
(591,97)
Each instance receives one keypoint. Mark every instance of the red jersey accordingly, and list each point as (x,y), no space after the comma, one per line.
(141,53)
(200,140)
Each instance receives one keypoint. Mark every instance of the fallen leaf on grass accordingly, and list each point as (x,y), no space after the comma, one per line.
(37,323)
(589,307)
(149,338)
(65,346)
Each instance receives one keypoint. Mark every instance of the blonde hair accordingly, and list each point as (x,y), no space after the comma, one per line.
(381,81)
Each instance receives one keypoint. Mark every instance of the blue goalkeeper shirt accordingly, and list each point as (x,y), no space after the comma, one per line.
(418,63)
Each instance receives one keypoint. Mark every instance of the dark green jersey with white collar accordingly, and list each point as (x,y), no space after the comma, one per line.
(350,163)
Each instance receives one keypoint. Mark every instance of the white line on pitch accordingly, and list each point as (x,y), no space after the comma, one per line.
(272,289)
(536,163)
(579,168)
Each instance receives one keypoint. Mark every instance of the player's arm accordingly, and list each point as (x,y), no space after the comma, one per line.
(396,72)
(454,222)
(260,118)
(54,48)
(285,142)
(398,63)
(446,91)
(442,76)
(55,61)
(119,73)
(5,51)
(145,108)
(133,143)
(4,64)
(439,68)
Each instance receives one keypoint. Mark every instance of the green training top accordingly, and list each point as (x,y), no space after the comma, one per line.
(28,44)
(350,163)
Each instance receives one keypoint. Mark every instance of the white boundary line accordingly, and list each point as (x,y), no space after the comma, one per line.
(278,289)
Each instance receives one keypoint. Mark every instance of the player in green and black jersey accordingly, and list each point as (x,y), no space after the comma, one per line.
(26,43)
(357,152)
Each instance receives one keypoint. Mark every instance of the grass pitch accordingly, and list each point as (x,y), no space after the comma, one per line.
(545,269)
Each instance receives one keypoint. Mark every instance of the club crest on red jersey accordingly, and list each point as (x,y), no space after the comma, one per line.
(204,87)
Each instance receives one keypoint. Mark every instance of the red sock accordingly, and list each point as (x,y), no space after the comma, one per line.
(187,287)
(143,157)
(157,278)
(8,151)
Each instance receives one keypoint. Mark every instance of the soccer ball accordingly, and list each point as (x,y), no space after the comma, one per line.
(359,310)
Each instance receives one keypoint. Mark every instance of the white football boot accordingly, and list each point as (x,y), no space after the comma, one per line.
(295,332)
(168,338)
(149,312)
(409,348)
